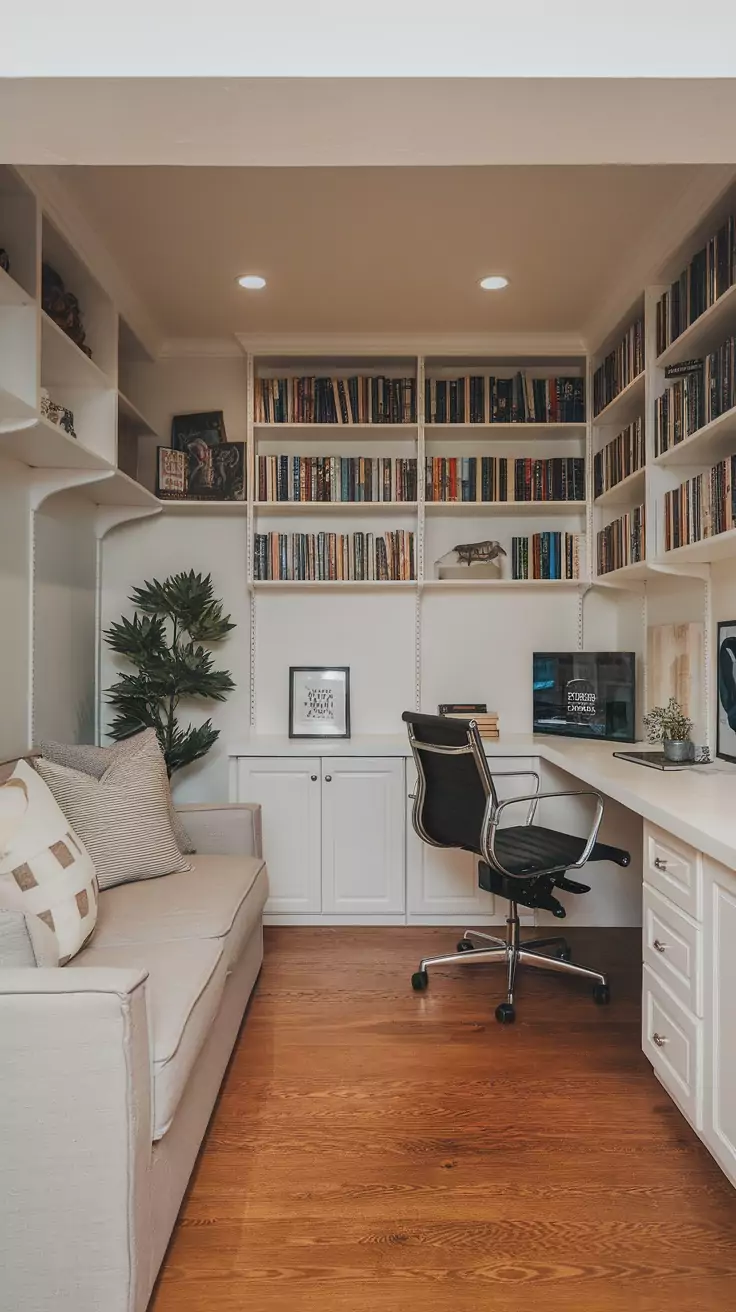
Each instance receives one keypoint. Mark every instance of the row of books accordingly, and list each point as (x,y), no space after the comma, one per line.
(331,556)
(619,458)
(700,391)
(500,478)
(478,399)
(337,478)
(701,507)
(619,368)
(358,399)
(621,542)
(546,556)
(708,275)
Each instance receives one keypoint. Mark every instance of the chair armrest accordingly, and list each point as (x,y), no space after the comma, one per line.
(538,797)
(529,774)
(224,828)
(75,1074)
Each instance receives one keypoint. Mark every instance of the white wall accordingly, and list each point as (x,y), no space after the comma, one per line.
(15,594)
(64,621)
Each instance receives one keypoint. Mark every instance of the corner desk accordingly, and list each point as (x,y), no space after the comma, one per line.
(341,850)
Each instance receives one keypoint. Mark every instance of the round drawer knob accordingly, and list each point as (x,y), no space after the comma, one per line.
(658,946)
(659,864)
(659,1039)
(328,778)
(313,777)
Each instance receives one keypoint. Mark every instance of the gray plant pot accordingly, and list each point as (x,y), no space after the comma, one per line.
(678,750)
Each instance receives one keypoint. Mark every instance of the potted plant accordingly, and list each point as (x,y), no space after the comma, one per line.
(670,726)
(164,644)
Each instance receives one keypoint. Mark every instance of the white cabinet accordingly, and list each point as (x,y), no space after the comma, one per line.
(362,836)
(443,882)
(333,833)
(719,932)
(289,791)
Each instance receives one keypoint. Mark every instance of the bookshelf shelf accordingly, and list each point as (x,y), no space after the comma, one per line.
(491,508)
(630,491)
(720,547)
(264,585)
(44,445)
(14,412)
(705,333)
(626,574)
(62,362)
(130,418)
(626,406)
(120,490)
(503,432)
(706,446)
(335,507)
(490,585)
(305,429)
(205,507)
(11,292)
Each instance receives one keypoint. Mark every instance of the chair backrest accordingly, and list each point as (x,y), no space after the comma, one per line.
(454,786)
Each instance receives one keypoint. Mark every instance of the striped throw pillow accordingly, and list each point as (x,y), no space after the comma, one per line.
(123,818)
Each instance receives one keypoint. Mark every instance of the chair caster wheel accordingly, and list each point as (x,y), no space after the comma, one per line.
(505,1013)
(465,945)
(564,954)
(602,995)
(419,981)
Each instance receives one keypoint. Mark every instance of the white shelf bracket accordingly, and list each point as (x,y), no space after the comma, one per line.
(109,517)
(47,482)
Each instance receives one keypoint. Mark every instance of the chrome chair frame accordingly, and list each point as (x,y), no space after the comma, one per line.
(511,951)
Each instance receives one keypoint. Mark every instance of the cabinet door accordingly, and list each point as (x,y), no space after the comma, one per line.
(363,836)
(288,789)
(443,882)
(719,956)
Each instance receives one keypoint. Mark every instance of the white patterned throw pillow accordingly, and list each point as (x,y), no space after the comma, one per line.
(45,871)
(123,818)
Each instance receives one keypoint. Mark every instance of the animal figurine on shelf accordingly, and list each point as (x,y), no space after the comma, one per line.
(4,260)
(480,560)
(63,307)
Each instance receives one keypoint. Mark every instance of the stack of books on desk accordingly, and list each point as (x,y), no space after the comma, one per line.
(487,721)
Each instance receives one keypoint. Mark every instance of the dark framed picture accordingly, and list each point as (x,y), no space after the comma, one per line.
(319,701)
(216,473)
(726,722)
(171,474)
(208,426)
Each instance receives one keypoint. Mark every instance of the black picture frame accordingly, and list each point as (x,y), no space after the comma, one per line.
(726,691)
(206,426)
(322,728)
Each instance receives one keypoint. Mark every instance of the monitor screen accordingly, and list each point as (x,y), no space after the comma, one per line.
(585,694)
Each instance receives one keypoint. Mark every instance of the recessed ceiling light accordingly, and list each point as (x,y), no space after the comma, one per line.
(252,281)
(494,283)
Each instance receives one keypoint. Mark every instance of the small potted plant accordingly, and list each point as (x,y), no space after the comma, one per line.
(670,726)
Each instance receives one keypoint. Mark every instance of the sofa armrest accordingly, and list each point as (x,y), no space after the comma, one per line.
(225,828)
(75,1138)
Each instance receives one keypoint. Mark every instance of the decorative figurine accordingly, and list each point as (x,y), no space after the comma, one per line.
(480,560)
(63,307)
(4,260)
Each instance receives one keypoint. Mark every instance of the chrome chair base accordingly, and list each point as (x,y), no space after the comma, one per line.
(513,952)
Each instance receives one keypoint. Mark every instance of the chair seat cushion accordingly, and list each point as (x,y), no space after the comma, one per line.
(527,849)
(220,898)
(184,990)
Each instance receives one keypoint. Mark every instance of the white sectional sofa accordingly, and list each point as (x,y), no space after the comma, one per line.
(110,1068)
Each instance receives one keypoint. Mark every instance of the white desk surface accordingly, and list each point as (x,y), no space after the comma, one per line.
(698,806)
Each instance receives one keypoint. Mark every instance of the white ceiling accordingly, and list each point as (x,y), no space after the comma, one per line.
(389,250)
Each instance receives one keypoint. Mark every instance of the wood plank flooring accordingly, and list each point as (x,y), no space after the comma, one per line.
(377,1150)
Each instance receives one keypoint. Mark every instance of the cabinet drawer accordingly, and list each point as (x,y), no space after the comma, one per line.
(674,869)
(672,1041)
(673,949)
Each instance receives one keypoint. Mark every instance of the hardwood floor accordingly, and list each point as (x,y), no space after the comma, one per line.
(377,1149)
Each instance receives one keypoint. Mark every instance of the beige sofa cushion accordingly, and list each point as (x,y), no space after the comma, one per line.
(184,989)
(220,898)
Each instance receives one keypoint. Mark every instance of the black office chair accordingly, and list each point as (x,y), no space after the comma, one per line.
(456,805)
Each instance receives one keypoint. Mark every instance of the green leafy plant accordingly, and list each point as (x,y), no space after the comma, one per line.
(164,644)
(668,723)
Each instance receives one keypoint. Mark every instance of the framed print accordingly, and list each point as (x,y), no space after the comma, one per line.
(726,723)
(171,474)
(208,426)
(319,701)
